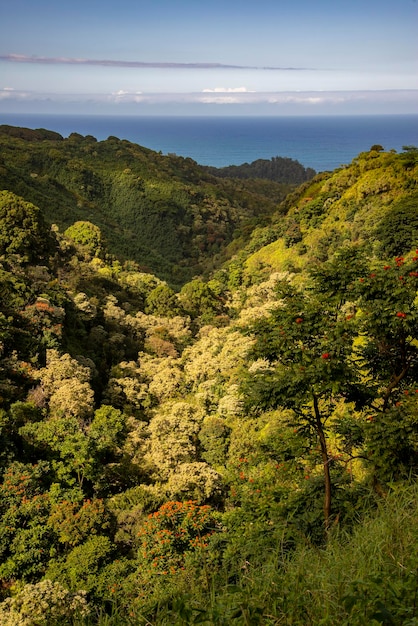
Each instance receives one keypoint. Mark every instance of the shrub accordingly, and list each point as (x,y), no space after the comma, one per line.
(42,604)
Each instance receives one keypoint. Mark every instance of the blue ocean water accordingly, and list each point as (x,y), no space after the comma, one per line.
(322,143)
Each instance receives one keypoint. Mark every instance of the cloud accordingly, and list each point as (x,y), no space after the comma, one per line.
(327,98)
(309,99)
(219,100)
(227,90)
(122,96)
(23,58)
(125,95)
(314,101)
(8,93)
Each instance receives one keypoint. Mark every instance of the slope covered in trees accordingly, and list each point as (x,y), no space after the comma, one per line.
(279,169)
(371,202)
(164,212)
(240,451)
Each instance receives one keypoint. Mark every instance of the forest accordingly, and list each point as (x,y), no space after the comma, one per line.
(279,169)
(208,390)
(164,212)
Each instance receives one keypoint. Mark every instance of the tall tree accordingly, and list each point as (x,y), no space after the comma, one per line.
(308,343)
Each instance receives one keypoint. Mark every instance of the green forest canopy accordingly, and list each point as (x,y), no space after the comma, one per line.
(242,449)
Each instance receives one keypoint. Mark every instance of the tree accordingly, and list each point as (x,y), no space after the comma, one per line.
(200,300)
(44,603)
(74,523)
(388,352)
(87,456)
(171,533)
(83,565)
(88,236)
(63,440)
(65,383)
(387,298)
(398,229)
(308,343)
(162,301)
(173,437)
(196,480)
(25,537)
(23,230)
(348,338)
(108,429)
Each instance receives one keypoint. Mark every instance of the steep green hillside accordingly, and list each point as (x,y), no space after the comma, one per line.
(372,202)
(164,212)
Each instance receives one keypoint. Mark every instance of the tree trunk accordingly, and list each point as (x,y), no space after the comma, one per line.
(325,462)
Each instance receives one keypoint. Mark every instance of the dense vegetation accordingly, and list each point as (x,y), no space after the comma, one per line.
(243,450)
(164,212)
(279,169)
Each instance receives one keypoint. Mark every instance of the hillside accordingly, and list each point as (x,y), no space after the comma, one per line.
(372,202)
(279,169)
(164,212)
(240,451)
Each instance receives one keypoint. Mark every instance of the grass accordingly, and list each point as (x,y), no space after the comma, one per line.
(367,578)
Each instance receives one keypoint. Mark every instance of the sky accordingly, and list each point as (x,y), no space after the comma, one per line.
(221,57)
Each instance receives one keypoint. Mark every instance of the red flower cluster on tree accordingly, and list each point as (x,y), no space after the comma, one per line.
(400,314)
(326,355)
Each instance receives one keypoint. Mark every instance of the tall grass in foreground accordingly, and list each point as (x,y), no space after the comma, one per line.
(367,578)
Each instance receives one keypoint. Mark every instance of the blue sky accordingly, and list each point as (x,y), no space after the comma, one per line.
(219,57)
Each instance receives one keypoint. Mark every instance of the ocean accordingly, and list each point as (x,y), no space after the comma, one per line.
(323,143)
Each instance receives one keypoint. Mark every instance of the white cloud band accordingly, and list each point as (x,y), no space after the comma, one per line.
(234,95)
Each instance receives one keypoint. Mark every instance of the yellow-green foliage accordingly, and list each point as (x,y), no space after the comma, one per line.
(336,208)
(274,257)
(43,603)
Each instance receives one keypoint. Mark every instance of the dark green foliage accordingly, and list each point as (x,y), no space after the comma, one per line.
(83,565)
(165,213)
(409,156)
(214,438)
(279,169)
(163,301)
(398,229)
(40,134)
(199,300)
(389,322)
(336,279)
(312,211)
(23,230)
(24,508)
(391,441)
